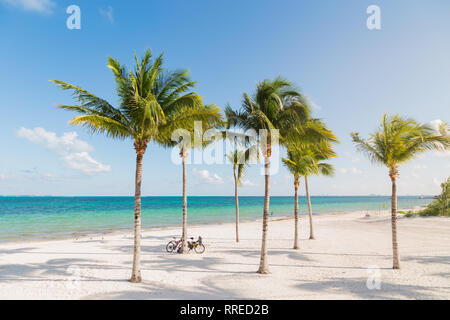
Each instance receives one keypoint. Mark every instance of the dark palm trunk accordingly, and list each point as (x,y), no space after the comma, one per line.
(237,202)
(296,184)
(308,198)
(263,265)
(395,256)
(184,249)
(136,271)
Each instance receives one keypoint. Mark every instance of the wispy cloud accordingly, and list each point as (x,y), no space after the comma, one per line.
(108,13)
(441,154)
(351,170)
(248,183)
(313,105)
(40,6)
(206,177)
(73,151)
(437,182)
(435,124)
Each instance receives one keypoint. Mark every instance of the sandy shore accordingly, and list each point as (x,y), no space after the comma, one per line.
(335,266)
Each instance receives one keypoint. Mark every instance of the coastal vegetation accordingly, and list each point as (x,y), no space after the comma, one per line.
(398,140)
(439,206)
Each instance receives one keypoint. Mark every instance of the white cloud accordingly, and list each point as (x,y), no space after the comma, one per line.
(248,183)
(436,123)
(206,177)
(424,166)
(442,154)
(73,151)
(437,182)
(351,170)
(108,13)
(314,105)
(355,160)
(84,162)
(2,176)
(40,6)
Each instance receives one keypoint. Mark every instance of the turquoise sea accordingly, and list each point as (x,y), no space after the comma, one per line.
(28,218)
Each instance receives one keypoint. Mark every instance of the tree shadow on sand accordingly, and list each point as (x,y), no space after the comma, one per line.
(358,288)
(429,259)
(59,269)
(188,265)
(156,290)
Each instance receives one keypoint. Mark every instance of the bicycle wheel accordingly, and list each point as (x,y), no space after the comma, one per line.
(171,246)
(200,248)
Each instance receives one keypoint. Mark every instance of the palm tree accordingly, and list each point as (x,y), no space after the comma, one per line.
(239,159)
(298,164)
(280,109)
(152,103)
(397,141)
(320,152)
(304,160)
(209,117)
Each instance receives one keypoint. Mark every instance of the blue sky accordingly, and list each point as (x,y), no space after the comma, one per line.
(352,74)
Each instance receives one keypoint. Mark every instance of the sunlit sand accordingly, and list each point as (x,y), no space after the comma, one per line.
(338,265)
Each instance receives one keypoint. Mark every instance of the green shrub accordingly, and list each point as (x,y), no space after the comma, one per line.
(439,206)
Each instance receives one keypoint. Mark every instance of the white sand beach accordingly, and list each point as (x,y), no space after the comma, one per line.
(335,266)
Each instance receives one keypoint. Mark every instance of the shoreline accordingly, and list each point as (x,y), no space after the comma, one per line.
(93,234)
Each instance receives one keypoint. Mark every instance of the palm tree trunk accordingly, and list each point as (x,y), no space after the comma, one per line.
(263,265)
(237,203)
(136,271)
(296,183)
(395,257)
(184,248)
(308,198)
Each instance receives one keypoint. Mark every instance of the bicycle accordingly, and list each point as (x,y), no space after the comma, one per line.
(173,244)
(196,245)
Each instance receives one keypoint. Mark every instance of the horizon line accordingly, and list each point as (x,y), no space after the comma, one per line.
(147,196)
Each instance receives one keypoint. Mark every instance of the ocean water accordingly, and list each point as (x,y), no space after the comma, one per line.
(28,218)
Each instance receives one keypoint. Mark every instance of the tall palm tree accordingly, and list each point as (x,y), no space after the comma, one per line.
(276,105)
(397,141)
(304,159)
(239,159)
(152,103)
(209,117)
(299,165)
(321,152)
